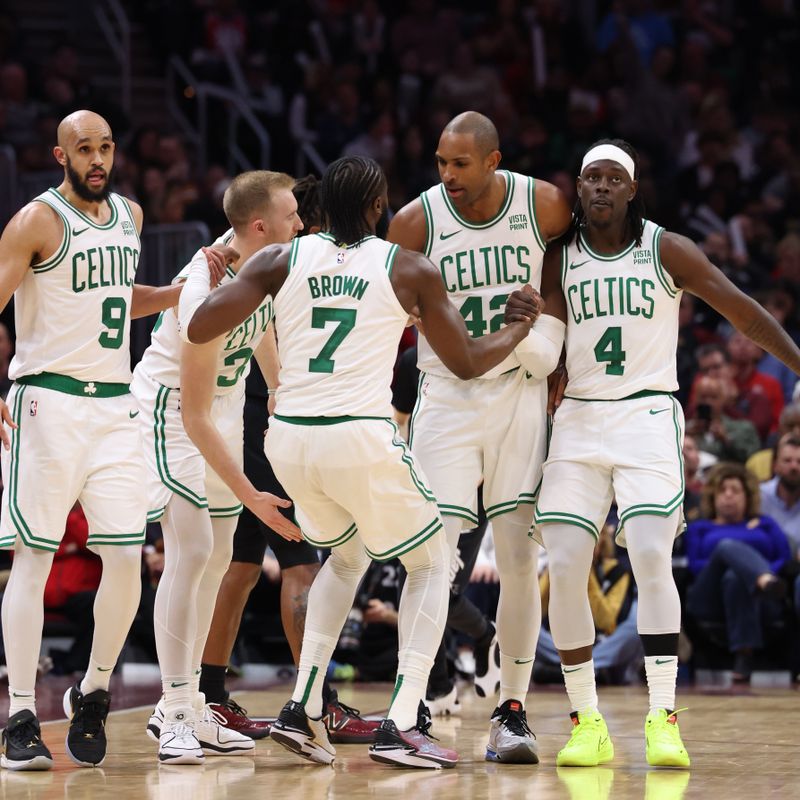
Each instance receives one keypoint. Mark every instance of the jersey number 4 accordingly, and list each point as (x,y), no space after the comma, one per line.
(345,319)
(609,348)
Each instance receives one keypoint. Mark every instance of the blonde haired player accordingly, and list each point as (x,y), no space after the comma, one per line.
(197,509)
(70,258)
(616,282)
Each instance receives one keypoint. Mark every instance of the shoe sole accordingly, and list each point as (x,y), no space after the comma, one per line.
(37,764)
(521,754)
(153,732)
(67,706)
(301,745)
(683,764)
(355,738)
(400,757)
(597,763)
(182,758)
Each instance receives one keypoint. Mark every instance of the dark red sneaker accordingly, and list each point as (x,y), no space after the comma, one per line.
(346,725)
(412,748)
(237,720)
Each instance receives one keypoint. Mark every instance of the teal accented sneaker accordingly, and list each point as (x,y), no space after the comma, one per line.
(663,743)
(589,744)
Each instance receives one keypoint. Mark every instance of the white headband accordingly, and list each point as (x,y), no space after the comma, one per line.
(609,152)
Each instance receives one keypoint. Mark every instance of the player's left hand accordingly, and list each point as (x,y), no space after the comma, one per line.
(524,305)
(265,506)
(556,386)
(218,257)
(7,419)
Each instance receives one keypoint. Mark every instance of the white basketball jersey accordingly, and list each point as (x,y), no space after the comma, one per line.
(72,311)
(482,263)
(622,320)
(338,322)
(161,360)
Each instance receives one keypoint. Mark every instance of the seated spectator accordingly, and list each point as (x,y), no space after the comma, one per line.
(693,478)
(618,648)
(780,496)
(70,592)
(714,431)
(735,555)
(760,463)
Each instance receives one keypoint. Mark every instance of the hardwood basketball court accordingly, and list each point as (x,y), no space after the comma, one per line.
(742,746)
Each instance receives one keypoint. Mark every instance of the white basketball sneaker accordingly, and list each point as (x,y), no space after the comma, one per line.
(214,737)
(177,742)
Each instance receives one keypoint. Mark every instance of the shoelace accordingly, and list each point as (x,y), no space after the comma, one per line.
(424,722)
(210,715)
(234,707)
(348,710)
(26,732)
(90,718)
(516,722)
(182,729)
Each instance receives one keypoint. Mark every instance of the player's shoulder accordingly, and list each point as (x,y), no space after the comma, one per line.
(409,227)
(36,219)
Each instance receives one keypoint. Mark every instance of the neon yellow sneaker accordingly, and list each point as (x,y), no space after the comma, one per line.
(589,744)
(663,744)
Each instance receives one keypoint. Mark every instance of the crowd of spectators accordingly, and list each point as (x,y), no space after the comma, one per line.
(703,88)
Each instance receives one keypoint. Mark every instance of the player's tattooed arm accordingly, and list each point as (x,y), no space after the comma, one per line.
(691,270)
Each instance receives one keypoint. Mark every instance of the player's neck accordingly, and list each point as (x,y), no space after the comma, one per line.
(244,248)
(487,205)
(606,241)
(96,209)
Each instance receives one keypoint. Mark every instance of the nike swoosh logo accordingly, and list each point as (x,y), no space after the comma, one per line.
(133,414)
(104,669)
(660,661)
(523,660)
(443,236)
(575,266)
(658,410)
(79,232)
(178,685)
(602,742)
(14,694)
(572,670)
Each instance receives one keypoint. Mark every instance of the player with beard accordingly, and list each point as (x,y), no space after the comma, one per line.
(70,433)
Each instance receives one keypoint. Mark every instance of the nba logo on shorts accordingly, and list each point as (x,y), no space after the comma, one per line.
(34,407)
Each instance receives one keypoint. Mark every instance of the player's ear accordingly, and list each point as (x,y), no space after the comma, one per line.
(634,190)
(60,155)
(493,159)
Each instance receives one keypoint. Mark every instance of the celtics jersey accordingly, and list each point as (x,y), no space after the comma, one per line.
(622,320)
(161,360)
(338,322)
(483,262)
(72,311)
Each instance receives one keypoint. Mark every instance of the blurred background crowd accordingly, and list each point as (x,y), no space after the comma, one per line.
(708,91)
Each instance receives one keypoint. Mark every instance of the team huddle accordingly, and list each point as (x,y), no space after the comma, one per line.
(509,288)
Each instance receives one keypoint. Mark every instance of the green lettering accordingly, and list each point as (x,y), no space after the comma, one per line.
(91,278)
(77,287)
(583,286)
(573,289)
(647,313)
(448,259)
(476,282)
(524,266)
(337,284)
(325,283)
(486,264)
(313,287)
(461,270)
(628,283)
(598,312)
(506,277)
(360,289)
(610,284)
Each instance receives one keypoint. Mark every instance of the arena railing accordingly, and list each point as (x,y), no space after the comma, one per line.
(182,83)
(114,23)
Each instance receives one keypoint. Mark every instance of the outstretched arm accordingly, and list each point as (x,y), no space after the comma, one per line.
(418,285)
(692,271)
(198,381)
(229,305)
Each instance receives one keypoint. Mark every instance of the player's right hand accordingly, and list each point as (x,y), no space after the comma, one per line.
(218,257)
(265,506)
(524,305)
(7,419)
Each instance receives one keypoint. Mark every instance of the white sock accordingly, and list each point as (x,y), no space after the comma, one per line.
(515,677)
(412,678)
(98,676)
(314,659)
(662,675)
(19,700)
(177,693)
(581,686)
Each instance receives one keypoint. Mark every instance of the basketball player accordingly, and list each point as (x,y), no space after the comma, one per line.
(198,511)
(299,562)
(486,230)
(616,284)
(69,258)
(341,301)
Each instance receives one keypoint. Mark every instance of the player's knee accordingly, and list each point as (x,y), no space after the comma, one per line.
(241,577)
(348,561)
(127,559)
